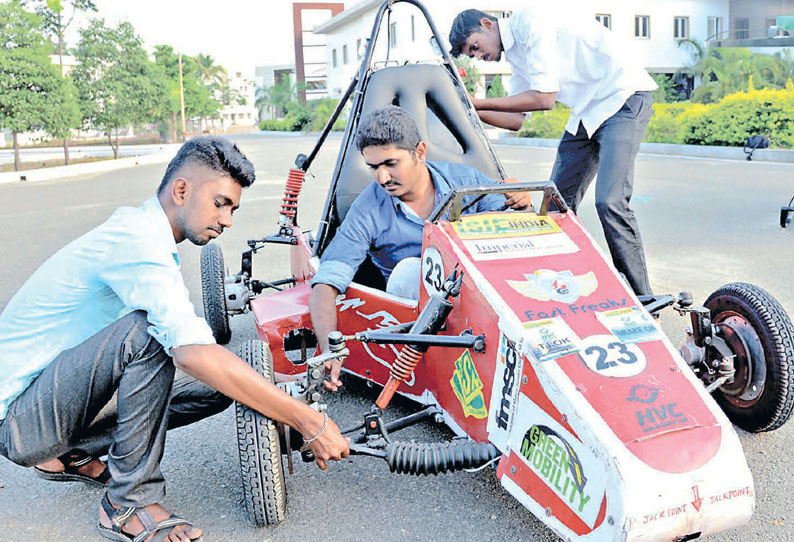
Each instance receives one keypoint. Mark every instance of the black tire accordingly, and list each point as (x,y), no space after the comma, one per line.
(264,489)
(763,339)
(213,292)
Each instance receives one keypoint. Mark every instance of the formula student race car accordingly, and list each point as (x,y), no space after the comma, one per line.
(525,341)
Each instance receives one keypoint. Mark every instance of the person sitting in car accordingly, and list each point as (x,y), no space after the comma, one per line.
(387,218)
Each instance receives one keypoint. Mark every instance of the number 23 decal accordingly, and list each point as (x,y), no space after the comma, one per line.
(607,356)
(432,271)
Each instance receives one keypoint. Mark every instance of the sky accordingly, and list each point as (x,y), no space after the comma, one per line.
(238,34)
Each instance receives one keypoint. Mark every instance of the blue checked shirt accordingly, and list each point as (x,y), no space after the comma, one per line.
(383,226)
(128,263)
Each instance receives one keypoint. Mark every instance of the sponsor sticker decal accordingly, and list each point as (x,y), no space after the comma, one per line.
(550,338)
(548,285)
(504,392)
(520,247)
(467,386)
(432,271)
(566,466)
(650,414)
(574,310)
(607,356)
(630,325)
(487,225)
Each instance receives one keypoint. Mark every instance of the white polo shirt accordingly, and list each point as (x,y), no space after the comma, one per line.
(128,263)
(556,49)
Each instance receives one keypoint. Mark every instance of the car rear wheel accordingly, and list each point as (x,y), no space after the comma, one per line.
(213,292)
(759,333)
(264,489)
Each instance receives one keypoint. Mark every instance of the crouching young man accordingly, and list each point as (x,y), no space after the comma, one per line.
(109,314)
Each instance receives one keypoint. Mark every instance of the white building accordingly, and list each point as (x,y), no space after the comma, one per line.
(235,113)
(653,28)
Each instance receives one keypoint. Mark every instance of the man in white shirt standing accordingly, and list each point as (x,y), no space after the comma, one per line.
(109,314)
(558,55)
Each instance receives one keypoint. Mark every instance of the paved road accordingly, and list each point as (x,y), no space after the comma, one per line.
(704,222)
(95,151)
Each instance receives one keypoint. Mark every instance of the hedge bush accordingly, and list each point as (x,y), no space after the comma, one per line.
(727,123)
(740,115)
(546,124)
(313,116)
(665,125)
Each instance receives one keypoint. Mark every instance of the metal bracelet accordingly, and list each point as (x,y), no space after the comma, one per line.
(320,432)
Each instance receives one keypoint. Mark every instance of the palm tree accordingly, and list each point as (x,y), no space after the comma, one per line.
(276,97)
(209,72)
(726,70)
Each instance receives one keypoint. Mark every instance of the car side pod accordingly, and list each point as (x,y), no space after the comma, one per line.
(606,433)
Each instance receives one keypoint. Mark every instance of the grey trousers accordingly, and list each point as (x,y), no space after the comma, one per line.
(610,154)
(115,393)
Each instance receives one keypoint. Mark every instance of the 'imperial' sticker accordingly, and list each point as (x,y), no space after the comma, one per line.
(562,286)
(550,338)
(520,247)
(630,325)
(489,225)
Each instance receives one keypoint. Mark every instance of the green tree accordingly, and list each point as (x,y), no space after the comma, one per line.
(497,89)
(276,97)
(726,70)
(117,84)
(54,17)
(209,72)
(199,95)
(31,90)
(666,93)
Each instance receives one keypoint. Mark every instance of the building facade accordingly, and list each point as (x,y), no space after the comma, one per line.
(751,19)
(239,109)
(653,27)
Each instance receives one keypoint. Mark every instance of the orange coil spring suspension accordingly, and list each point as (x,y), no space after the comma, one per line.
(401,370)
(289,205)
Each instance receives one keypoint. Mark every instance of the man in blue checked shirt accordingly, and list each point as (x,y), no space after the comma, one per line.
(90,343)
(387,218)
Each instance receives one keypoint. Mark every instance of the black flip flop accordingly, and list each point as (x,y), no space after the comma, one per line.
(72,461)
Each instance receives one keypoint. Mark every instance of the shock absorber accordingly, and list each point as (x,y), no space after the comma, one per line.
(292,190)
(429,322)
(438,457)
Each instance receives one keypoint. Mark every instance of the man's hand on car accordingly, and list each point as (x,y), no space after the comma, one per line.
(330,445)
(334,368)
(517,200)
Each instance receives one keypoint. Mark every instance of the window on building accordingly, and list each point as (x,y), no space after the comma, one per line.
(413,29)
(333,58)
(344,54)
(393,32)
(605,19)
(715,28)
(359,51)
(741,27)
(642,26)
(681,28)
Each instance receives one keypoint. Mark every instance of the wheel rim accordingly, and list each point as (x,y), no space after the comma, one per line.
(749,361)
